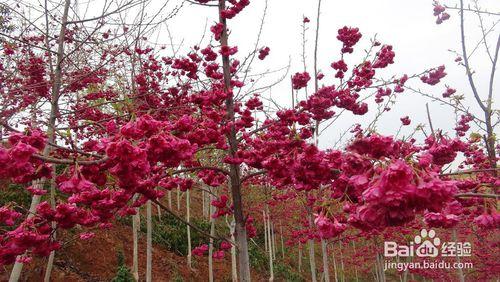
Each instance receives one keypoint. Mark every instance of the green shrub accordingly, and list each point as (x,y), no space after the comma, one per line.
(15,193)
(258,258)
(122,273)
(284,272)
(171,233)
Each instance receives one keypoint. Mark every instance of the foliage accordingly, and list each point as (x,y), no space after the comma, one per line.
(123,273)
(171,233)
(258,258)
(285,272)
(15,193)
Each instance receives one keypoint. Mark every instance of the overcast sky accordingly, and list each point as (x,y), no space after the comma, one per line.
(407,25)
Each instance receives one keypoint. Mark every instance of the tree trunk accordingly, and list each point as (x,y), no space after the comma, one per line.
(269,236)
(273,236)
(234,169)
(211,248)
(300,257)
(136,223)
(312,257)
(335,265)
(324,250)
(342,273)
(18,267)
(188,219)
(355,266)
(50,262)
(282,243)
(54,105)
(234,269)
(159,212)
(170,199)
(460,272)
(178,199)
(265,230)
(380,268)
(204,205)
(149,243)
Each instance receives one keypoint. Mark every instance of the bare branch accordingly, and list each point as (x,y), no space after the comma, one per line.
(476,195)
(466,59)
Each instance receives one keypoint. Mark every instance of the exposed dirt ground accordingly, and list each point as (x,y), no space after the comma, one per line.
(96,260)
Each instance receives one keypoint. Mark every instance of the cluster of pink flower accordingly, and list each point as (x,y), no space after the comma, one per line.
(8,49)
(222,206)
(227,51)
(434,76)
(237,7)
(301,236)
(263,53)
(384,57)
(405,120)
(217,30)
(363,75)
(439,12)
(27,236)
(443,150)
(341,68)
(76,184)
(328,229)
(186,65)
(449,91)
(8,216)
(349,37)
(33,71)
(392,194)
(169,149)
(212,71)
(170,183)
(300,80)
(320,103)
(209,54)
(250,228)
(395,195)
(212,178)
(82,80)
(381,93)
(488,221)
(217,254)
(200,250)
(101,94)
(447,218)
(400,84)
(128,163)
(463,124)
(254,103)
(18,163)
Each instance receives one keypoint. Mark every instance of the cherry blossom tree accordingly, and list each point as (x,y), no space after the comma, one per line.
(98,123)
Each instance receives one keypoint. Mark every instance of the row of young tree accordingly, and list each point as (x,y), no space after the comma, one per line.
(97,122)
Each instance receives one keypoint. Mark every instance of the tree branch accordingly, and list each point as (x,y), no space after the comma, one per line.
(466,59)
(68,161)
(248,176)
(200,168)
(469,171)
(477,195)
